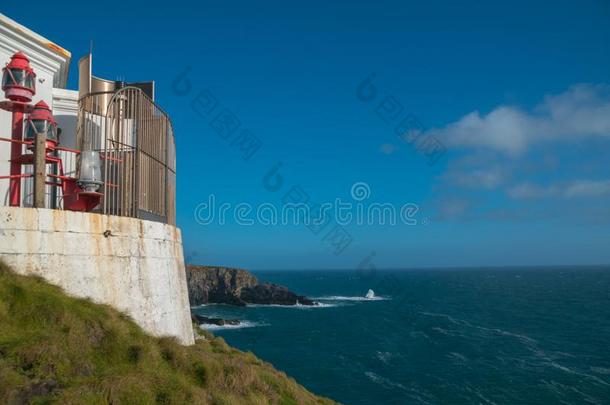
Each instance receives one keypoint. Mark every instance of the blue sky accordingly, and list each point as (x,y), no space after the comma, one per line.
(517,92)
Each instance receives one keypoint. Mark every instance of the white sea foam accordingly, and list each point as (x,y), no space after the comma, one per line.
(386,382)
(298,306)
(344,298)
(211,304)
(384,357)
(241,325)
(457,357)
(322,305)
(601,370)
(495,331)
(295,306)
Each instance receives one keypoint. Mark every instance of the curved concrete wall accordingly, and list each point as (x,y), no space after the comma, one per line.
(138,268)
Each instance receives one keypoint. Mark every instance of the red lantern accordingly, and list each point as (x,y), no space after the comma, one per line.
(41,120)
(19,79)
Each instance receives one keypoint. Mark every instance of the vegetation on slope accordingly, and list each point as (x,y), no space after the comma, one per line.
(59,349)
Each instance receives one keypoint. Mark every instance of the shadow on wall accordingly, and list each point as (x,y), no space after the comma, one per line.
(67,123)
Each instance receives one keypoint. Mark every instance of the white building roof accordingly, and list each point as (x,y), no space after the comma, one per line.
(42,52)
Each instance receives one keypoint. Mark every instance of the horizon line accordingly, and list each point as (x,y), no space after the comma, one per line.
(478,267)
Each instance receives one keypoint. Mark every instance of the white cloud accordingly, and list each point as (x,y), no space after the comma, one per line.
(487,178)
(452,208)
(528,190)
(387,148)
(582,111)
(575,189)
(588,188)
(478,170)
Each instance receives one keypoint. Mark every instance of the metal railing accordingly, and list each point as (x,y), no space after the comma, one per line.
(53,193)
(135,140)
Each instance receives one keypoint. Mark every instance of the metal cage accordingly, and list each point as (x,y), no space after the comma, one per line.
(135,140)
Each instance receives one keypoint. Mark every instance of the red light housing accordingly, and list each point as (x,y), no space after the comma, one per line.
(19,79)
(41,120)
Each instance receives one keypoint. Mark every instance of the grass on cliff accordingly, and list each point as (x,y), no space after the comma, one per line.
(59,349)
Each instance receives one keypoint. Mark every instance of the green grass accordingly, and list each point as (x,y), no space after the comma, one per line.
(59,349)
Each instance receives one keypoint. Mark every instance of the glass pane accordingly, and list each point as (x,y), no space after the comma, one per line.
(29,131)
(90,170)
(18,76)
(35,126)
(51,132)
(40,125)
(6,79)
(30,83)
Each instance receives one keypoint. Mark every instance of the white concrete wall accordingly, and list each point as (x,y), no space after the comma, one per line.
(65,112)
(138,269)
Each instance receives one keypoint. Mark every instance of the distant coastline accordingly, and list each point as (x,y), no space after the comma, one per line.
(225,285)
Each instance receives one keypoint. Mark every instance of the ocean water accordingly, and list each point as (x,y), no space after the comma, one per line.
(459,336)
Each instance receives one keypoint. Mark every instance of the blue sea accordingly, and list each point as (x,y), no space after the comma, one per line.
(454,336)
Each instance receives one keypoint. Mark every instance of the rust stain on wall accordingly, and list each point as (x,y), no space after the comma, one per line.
(58,49)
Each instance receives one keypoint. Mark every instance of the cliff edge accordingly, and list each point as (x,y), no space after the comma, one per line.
(57,349)
(223,285)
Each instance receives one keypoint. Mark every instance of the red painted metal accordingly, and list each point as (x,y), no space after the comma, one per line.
(16,141)
(42,111)
(20,61)
(76,199)
(8,105)
(17,134)
(19,85)
(76,151)
(41,114)
(17,176)
(19,79)
(105,157)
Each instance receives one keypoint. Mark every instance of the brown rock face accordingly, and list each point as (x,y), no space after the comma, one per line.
(269,294)
(222,285)
(207,284)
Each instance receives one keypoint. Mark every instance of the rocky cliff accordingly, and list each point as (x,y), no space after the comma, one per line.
(222,285)
(208,284)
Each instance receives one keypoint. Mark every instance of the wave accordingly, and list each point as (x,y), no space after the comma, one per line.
(578,373)
(344,298)
(385,382)
(601,370)
(460,322)
(241,325)
(212,304)
(384,357)
(298,306)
